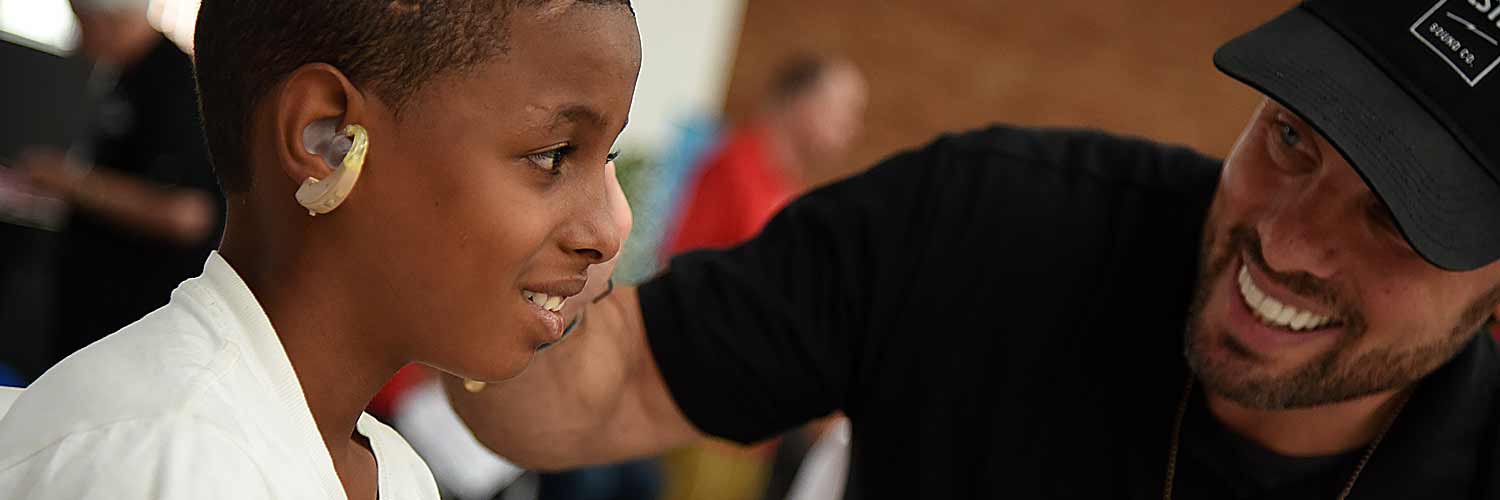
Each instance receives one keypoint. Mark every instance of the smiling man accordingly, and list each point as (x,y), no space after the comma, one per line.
(1015,313)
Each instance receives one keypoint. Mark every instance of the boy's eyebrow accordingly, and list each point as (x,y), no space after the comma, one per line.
(575,113)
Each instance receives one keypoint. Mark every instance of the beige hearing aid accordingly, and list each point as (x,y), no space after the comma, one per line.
(322,196)
(473,386)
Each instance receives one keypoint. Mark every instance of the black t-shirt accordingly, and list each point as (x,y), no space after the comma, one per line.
(146,127)
(1220,464)
(1001,314)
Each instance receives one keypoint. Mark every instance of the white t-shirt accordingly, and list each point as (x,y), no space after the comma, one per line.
(196,400)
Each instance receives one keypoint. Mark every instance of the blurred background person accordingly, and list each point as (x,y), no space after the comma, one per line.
(145,207)
(813,112)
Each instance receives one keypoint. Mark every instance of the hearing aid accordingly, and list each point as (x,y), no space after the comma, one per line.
(344,151)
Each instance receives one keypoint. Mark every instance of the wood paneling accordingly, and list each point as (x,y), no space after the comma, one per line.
(1140,67)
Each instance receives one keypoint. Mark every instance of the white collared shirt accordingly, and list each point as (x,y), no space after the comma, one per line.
(196,400)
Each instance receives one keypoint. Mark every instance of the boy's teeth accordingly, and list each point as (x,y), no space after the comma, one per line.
(1272,312)
(548,302)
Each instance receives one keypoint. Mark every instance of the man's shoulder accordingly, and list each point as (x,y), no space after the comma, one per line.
(1091,155)
(1029,180)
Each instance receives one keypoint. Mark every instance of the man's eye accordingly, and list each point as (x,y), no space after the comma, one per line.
(550,161)
(1289,135)
(1383,217)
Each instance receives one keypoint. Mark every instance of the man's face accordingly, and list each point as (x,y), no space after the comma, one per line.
(107,36)
(1309,294)
(95,32)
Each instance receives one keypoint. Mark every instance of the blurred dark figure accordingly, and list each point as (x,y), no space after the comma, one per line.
(814,112)
(638,480)
(145,207)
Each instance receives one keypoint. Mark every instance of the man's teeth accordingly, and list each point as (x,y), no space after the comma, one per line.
(549,302)
(1274,313)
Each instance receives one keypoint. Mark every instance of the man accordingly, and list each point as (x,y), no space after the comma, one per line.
(147,215)
(1001,314)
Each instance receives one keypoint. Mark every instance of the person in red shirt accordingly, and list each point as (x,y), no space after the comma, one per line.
(815,110)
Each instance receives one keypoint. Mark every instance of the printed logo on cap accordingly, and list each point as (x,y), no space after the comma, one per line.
(1465,33)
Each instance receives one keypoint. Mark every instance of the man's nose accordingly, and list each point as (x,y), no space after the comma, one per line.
(1313,225)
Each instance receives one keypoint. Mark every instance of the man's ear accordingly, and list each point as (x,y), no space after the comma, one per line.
(315,95)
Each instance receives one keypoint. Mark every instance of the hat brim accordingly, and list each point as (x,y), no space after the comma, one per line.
(1445,203)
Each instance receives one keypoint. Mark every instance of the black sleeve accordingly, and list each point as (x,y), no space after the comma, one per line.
(759,338)
(801,320)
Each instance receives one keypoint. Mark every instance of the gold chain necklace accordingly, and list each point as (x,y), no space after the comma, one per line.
(1187,392)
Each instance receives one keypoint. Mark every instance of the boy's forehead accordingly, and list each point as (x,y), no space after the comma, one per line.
(550,9)
(591,37)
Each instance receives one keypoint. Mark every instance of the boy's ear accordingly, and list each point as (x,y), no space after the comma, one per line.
(316,96)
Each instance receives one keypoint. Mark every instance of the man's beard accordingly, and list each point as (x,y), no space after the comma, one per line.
(1228,368)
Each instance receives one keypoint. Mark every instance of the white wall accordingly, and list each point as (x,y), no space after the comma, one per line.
(687,48)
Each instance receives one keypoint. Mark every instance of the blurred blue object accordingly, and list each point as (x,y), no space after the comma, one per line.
(654,188)
(639,480)
(10,377)
(681,161)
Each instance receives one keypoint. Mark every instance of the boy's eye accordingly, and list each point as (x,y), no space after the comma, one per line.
(612,156)
(1381,214)
(550,161)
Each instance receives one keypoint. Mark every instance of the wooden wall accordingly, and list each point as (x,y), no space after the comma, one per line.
(1140,67)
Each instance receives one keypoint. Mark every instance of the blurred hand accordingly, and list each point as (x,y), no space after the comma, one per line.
(48,170)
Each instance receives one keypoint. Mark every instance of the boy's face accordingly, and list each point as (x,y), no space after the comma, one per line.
(492,187)
(1295,234)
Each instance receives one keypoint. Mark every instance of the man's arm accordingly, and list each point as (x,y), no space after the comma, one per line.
(597,397)
(820,312)
(744,343)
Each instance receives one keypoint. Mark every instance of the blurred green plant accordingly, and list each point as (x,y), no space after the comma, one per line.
(639,177)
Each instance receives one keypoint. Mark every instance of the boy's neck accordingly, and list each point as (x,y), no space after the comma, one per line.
(338,360)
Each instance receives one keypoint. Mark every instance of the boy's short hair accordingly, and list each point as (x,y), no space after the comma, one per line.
(242,48)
